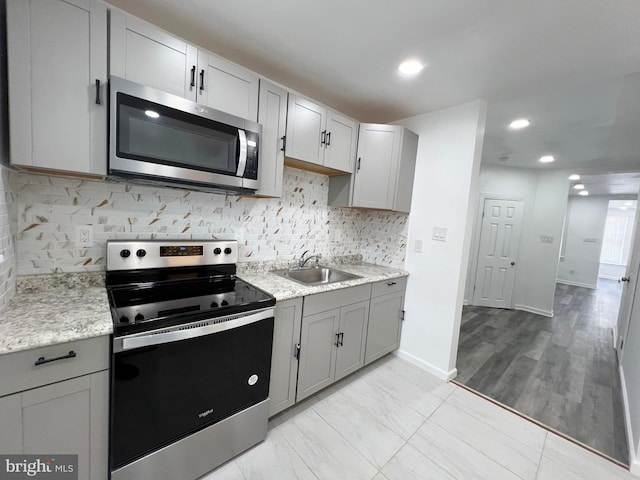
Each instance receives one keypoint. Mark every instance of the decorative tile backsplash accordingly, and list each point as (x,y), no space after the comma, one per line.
(8,271)
(50,208)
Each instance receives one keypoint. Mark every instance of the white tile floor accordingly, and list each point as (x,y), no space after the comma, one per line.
(393,421)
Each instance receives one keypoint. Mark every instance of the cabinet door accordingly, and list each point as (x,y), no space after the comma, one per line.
(352,331)
(272,115)
(385,321)
(340,146)
(317,354)
(69,417)
(144,54)
(305,124)
(56,51)
(284,364)
(227,87)
(376,166)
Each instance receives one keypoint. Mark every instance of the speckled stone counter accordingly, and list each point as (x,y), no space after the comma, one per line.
(283,288)
(51,309)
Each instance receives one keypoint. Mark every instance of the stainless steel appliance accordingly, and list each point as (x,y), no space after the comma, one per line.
(191,358)
(165,139)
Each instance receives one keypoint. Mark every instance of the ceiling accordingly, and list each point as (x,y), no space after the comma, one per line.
(567,65)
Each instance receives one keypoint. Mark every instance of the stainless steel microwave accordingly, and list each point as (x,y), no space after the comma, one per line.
(159,138)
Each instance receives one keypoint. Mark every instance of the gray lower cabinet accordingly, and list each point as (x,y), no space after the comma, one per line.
(332,341)
(385,318)
(69,416)
(284,362)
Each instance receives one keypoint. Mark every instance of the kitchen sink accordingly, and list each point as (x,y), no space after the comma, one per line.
(316,275)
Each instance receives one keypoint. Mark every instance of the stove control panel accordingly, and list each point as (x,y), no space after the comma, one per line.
(139,254)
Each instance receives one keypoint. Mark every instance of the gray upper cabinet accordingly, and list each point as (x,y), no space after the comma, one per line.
(57,52)
(227,87)
(385,166)
(319,136)
(284,362)
(272,115)
(64,409)
(145,54)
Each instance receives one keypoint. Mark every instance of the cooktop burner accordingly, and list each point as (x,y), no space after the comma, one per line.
(186,281)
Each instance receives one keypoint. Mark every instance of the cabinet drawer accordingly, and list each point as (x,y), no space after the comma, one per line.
(19,370)
(321,302)
(389,286)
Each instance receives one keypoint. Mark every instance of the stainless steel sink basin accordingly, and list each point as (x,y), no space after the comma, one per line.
(316,275)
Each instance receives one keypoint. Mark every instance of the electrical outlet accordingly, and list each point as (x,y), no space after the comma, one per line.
(439,234)
(84,235)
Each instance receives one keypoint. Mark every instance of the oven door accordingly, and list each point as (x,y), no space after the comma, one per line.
(162,137)
(170,383)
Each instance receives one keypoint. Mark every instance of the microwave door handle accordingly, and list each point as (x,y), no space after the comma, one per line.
(242,155)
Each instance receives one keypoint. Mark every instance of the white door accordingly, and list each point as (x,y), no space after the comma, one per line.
(630,280)
(497,256)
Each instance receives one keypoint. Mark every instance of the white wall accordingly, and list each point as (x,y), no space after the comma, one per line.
(544,194)
(444,195)
(586,217)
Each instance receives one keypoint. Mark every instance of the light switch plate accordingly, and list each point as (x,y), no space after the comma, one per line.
(439,234)
(418,245)
(546,238)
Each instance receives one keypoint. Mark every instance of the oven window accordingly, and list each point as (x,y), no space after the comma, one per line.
(154,133)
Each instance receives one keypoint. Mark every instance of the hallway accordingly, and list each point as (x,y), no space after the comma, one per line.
(560,371)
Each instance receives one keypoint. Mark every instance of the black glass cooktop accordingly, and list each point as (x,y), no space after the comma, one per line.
(178,297)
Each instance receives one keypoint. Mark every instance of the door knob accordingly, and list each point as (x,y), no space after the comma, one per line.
(625,279)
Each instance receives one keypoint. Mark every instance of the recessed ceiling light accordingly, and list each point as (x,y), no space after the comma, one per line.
(579,186)
(151,113)
(584,193)
(519,123)
(575,176)
(547,159)
(410,67)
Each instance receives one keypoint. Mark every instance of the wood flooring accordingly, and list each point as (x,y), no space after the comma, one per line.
(561,371)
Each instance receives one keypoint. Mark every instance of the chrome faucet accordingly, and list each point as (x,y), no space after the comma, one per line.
(303,261)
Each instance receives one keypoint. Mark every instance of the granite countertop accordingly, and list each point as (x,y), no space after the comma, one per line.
(52,309)
(37,317)
(283,288)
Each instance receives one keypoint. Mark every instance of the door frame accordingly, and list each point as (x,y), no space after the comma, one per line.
(476,236)
(622,325)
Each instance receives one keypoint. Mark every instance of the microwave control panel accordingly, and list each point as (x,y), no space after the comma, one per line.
(253,144)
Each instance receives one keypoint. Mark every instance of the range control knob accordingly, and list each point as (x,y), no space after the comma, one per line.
(227,250)
(125,253)
(217,251)
(124,319)
(139,317)
(214,304)
(141,253)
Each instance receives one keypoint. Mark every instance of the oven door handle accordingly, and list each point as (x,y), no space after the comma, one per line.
(189,330)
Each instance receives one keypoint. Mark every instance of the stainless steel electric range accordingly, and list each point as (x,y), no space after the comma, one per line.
(191,358)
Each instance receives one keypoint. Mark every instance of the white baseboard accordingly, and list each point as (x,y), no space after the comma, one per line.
(465,302)
(577,284)
(609,277)
(634,463)
(537,311)
(428,367)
